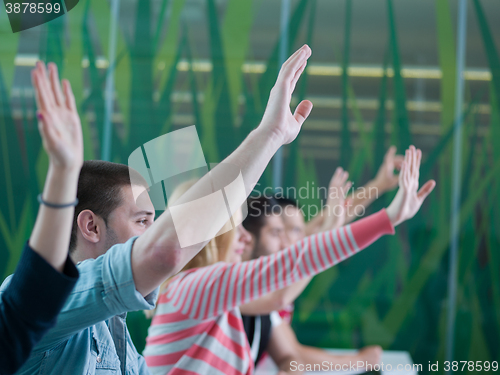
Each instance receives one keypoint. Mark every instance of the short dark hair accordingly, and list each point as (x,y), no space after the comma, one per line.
(100,190)
(285,202)
(258,209)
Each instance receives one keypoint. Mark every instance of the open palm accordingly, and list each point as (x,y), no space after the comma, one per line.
(335,207)
(59,122)
(386,179)
(278,117)
(408,199)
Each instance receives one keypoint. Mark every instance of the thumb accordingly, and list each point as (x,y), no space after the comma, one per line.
(426,189)
(302,111)
(390,153)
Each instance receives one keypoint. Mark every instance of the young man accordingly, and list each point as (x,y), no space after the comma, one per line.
(275,223)
(268,332)
(91,335)
(45,274)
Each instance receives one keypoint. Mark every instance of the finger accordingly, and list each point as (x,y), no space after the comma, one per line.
(414,163)
(340,181)
(390,153)
(305,48)
(419,159)
(296,58)
(287,72)
(303,111)
(408,166)
(402,174)
(346,188)
(335,176)
(343,178)
(294,54)
(298,74)
(70,98)
(426,189)
(48,133)
(411,176)
(55,84)
(45,90)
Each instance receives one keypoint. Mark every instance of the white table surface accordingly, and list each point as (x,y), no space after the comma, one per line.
(394,358)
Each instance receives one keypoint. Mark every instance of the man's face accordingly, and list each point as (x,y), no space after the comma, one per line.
(295,226)
(131,218)
(272,237)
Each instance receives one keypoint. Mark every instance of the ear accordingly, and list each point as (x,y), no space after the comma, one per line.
(90,226)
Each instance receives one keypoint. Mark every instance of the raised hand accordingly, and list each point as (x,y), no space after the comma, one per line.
(59,123)
(386,179)
(335,207)
(278,118)
(408,200)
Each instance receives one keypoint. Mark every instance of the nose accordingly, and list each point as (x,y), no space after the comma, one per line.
(245,235)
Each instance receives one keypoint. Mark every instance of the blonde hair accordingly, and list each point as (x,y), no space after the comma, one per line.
(216,250)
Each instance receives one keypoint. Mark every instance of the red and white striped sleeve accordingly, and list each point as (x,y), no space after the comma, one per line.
(210,291)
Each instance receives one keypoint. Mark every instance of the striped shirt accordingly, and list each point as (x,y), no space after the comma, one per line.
(198,329)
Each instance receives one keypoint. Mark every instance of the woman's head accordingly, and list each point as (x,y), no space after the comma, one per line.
(226,247)
(241,239)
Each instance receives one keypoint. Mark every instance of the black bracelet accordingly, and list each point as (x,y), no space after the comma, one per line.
(53,205)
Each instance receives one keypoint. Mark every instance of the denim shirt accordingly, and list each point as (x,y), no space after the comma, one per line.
(81,342)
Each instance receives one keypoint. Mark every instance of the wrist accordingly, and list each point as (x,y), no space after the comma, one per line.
(265,134)
(379,185)
(393,215)
(60,184)
(65,171)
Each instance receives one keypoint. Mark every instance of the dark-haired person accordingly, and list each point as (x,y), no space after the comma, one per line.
(266,329)
(198,329)
(337,210)
(45,275)
(277,222)
(120,272)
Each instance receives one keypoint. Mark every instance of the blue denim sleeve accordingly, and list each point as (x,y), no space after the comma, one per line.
(105,288)
(143,368)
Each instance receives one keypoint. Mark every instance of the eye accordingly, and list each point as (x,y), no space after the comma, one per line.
(143,221)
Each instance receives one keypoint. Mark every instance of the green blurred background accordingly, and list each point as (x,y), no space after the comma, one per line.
(382,72)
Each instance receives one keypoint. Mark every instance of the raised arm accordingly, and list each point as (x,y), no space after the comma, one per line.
(211,290)
(61,133)
(31,300)
(334,214)
(385,180)
(157,254)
